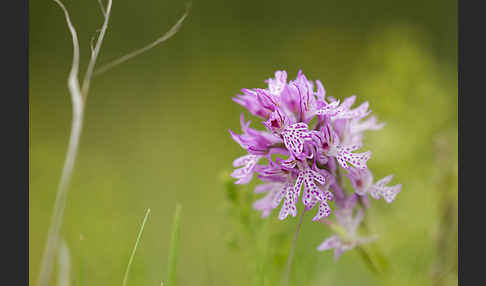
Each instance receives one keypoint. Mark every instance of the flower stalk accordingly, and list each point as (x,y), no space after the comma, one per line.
(292,251)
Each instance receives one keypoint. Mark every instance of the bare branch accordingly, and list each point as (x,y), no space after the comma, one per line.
(78,98)
(73,81)
(91,42)
(64,262)
(102,7)
(59,205)
(135,53)
(96,51)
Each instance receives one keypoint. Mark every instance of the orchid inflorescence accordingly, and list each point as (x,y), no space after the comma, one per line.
(308,139)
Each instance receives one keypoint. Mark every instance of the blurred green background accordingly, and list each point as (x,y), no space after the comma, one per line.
(156,134)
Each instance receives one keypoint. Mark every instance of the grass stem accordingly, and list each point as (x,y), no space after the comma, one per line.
(125,278)
(292,250)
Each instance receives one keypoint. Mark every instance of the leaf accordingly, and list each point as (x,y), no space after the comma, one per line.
(125,278)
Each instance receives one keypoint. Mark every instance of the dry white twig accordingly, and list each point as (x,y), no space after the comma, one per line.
(135,53)
(102,7)
(78,99)
(76,128)
(96,51)
(91,42)
(64,264)
(77,122)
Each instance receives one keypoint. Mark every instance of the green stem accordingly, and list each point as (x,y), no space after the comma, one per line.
(367,259)
(292,250)
(135,247)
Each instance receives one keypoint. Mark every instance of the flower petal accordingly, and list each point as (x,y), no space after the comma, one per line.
(323,211)
(289,206)
(330,243)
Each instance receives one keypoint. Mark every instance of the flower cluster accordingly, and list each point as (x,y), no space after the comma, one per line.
(310,144)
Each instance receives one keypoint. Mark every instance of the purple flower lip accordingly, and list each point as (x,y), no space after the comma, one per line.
(310,144)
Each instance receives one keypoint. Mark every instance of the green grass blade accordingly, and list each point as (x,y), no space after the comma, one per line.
(135,247)
(174,247)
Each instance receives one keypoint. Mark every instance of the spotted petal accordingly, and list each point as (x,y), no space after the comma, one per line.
(329,243)
(357,159)
(277,84)
(359,112)
(245,173)
(294,137)
(330,109)
(388,193)
(324,211)
(276,192)
(289,206)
